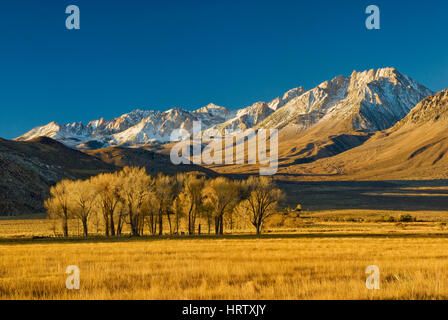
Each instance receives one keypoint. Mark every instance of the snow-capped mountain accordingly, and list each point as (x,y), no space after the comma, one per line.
(369,101)
(416,147)
(147,126)
(134,128)
(160,125)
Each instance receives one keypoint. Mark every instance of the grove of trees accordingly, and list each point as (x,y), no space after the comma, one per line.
(161,204)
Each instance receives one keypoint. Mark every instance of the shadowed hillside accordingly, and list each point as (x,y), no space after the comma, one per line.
(141,157)
(28,169)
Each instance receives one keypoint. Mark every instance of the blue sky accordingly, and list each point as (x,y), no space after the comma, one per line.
(156,55)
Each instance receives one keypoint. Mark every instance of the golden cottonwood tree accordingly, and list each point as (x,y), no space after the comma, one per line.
(136,187)
(262,199)
(191,199)
(58,205)
(107,188)
(82,198)
(150,208)
(166,190)
(222,194)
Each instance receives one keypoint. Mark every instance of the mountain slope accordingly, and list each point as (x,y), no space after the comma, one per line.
(28,169)
(154,162)
(244,119)
(343,113)
(415,148)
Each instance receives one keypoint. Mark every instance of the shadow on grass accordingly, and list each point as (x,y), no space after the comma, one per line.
(267,236)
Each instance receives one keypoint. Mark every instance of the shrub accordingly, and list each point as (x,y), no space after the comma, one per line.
(407,218)
(388,219)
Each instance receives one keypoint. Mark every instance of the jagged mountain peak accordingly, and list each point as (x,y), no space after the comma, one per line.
(383,76)
(176,111)
(375,74)
(334,83)
(293,91)
(211,107)
(287,96)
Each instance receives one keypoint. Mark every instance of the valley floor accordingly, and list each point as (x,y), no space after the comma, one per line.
(321,255)
(275,267)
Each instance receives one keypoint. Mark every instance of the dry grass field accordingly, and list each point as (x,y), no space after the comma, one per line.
(320,255)
(281,267)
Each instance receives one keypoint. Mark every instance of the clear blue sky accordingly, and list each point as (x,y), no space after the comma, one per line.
(160,54)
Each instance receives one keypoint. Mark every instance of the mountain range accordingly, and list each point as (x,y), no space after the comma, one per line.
(372,125)
(366,101)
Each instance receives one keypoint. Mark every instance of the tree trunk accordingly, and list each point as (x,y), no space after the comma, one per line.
(65,226)
(149,220)
(131,220)
(209,222)
(134,224)
(193,222)
(119,228)
(106,221)
(120,224)
(221,225)
(169,222)
(190,231)
(216,225)
(160,223)
(112,224)
(141,225)
(84,226)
